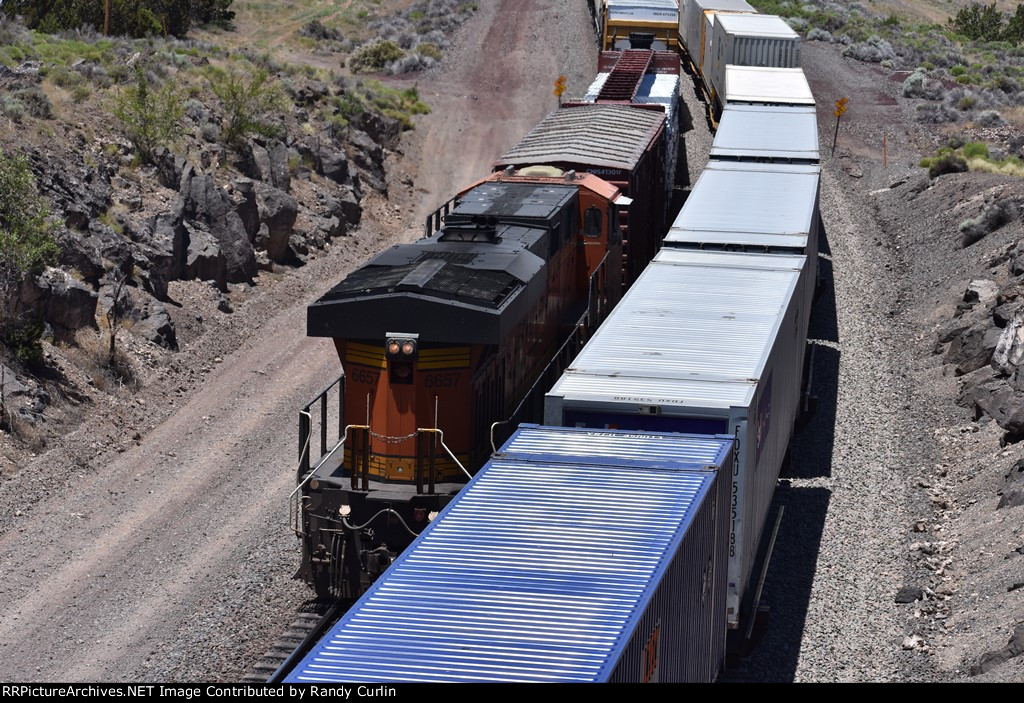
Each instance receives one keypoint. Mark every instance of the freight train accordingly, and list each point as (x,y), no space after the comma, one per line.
(619,542)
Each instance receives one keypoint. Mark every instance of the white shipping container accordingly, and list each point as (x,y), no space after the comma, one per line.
(706,343)
(757,85)
(694,24)
(780,214)
(763,133)
(751,40)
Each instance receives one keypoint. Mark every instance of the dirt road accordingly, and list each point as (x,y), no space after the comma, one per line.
(168,557)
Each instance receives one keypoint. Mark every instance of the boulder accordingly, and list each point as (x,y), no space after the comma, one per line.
(204,261)
(380,128)
(244,199)
(981,290)
(1012,493)
(1014,648)
(280,175)
(278,212)
(210,205)
(172,170)
(1009,351)
(909,594)
(155,324)
(350,209)
(999,401)
(66,303)
(333,164)
(973,348)
(255,162)
(10,384)
(366,154)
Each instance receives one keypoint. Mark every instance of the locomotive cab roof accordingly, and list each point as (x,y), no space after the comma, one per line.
(468,282)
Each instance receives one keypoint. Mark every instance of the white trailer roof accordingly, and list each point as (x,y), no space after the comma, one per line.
(763,84)
(750,204)
(767,26)
(694,331)
(762,132)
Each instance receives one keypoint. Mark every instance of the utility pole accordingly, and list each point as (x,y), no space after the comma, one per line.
(106,17)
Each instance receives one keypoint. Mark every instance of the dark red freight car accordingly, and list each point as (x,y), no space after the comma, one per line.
(624,145)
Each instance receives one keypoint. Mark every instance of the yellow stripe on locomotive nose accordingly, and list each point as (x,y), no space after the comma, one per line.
(429,359)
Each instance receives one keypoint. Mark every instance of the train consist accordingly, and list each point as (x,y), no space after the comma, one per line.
(619,541)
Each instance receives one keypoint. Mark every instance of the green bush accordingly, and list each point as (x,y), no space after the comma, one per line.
(27,246)
(966,102)
(948,163)
(374,57)
(975,150)
(429,50)
(149,118)
(249,102)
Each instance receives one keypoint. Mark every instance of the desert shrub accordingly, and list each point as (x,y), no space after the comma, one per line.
(816,34)
(317,30)
(432,51)
(966,102)
(12,108)
(990,118)
(27,246)
(210,132)
(975,150)
(408,64)
(947,163)
(798,24)
(372,58)
(992,217)
(249,102)
(874,50)
(80,93)
(150,118)
(35,102)
(349,106)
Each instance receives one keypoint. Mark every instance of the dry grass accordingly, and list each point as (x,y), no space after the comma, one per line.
(1007,168)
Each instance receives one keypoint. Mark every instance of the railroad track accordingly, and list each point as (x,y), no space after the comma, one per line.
(295,641)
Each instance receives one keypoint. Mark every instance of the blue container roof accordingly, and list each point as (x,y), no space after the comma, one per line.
(537,571)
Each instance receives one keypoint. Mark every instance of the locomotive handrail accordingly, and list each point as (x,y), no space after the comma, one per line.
(306,422)
(294,509)
(433,222)
(444,446)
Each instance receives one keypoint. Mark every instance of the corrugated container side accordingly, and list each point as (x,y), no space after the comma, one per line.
(732,47)
(680,634)
(770,426)
(693,23)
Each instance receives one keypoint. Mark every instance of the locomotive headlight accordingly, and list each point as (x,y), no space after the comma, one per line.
(401,345)
(345,510)
(314,484)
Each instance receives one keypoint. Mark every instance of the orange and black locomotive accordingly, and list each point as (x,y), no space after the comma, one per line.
(441,342)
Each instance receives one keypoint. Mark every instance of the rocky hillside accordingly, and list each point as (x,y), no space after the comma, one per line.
(266,165)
